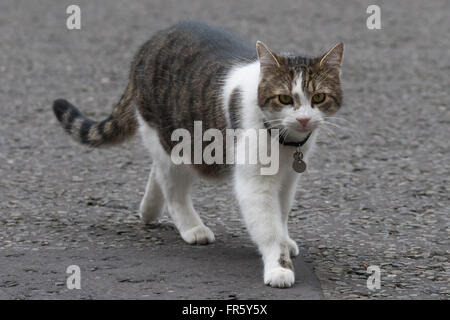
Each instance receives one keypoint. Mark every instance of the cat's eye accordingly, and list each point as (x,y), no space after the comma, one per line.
(318,98)
(285,99)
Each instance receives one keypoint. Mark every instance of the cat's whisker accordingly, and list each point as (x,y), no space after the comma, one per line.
(273,120)
(286,134)
(331,134)
(352,132)
(347,123)
(348,126)
(328,130)
(334,125)
(338,118)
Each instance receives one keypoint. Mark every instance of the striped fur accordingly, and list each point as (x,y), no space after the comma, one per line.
(120,125)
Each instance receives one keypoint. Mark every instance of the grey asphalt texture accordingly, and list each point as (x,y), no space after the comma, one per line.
(376,193)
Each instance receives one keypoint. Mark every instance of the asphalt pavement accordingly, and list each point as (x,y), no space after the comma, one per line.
(376,192)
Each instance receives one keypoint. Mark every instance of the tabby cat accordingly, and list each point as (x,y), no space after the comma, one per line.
(194,72)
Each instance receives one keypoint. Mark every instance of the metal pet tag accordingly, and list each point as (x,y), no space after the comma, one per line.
(298,165)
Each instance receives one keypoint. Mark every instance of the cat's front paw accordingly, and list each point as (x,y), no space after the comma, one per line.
(279,277)
(293,247)
(198,235)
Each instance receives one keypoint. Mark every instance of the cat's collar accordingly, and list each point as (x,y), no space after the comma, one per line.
(282,138)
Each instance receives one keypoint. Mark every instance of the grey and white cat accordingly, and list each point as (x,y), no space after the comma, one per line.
(194,72)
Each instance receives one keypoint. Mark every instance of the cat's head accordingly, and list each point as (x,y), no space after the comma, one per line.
(298,93)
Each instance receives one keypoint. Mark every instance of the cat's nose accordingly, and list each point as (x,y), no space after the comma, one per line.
(303,121)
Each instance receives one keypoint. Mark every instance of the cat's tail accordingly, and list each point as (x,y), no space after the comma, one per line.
(119,126)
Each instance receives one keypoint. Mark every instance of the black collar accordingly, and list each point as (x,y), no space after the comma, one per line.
(287,143)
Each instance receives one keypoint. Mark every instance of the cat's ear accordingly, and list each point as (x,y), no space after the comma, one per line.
(333,58)
(266,57)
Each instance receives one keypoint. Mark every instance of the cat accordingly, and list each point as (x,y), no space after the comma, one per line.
(195,72)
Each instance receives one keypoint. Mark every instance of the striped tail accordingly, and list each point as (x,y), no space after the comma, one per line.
(119,126)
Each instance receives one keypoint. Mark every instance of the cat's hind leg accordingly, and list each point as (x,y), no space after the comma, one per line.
(152,203)
(175,182)
(170,184)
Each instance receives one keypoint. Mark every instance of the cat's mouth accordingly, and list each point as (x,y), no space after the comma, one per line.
(295,130)
(290,136)
(296,134)
(304,130)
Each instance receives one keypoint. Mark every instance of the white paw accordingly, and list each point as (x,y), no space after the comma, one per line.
(279,277)
(198,235)
(149,215)
(293,248)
